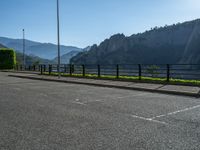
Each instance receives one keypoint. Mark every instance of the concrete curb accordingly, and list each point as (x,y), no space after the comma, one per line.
(197,95)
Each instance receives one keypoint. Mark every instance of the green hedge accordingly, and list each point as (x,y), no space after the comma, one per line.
(7,58)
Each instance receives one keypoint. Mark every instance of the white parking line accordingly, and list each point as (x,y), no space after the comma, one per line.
(149,119)
(79,103)
(176,112)
(100,100)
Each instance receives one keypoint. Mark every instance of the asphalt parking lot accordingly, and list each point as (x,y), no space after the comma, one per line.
(41,115)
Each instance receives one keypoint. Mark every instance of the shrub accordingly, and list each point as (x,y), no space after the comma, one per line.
(7,58)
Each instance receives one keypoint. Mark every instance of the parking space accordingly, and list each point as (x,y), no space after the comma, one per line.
(48,115)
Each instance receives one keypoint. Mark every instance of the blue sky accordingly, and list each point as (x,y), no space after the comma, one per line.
(86,22)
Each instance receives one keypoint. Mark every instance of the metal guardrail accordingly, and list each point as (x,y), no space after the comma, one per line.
(165,71)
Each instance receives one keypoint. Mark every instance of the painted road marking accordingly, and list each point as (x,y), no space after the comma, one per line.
(176,112)
(149,119)
(100,100)
(79,103)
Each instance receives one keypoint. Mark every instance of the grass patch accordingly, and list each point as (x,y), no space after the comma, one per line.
(132,78)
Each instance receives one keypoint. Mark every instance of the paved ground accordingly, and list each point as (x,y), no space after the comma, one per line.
(41,115)
(159,88)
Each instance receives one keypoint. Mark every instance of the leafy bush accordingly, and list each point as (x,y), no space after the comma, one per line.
(7,58)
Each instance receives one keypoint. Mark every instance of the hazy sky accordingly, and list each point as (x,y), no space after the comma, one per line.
(86,22)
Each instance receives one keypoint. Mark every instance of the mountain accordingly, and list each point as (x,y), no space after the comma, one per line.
(42,50)
(65,59)
(30,60)
(178,43)
(87,48)
(2,46)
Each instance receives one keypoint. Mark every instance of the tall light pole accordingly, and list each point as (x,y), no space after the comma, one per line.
(58,32)
(24,57)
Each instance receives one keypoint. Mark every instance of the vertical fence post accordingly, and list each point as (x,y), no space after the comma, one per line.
(83,68)
(168,72)
(50,69)
(41,69)
(70,70)
(99,71)
(65,68)
(73,69)
(117,71)
(34,68)
(140,71)
(44,68)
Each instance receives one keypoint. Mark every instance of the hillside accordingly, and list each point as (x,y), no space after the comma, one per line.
(2,46)
(30,60)
(65,59)
(42,50)
(170,44)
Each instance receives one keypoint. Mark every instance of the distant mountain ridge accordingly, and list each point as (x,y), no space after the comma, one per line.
(2,46)
(43,50)
(65,59)
(178,43)
(31,60)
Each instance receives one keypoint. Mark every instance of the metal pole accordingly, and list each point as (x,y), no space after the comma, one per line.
(140,71)
(58,32)
(168,72)
(117,75)
(24,59)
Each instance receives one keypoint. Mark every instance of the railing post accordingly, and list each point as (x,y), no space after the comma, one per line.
(50,69)
(70,70)
(168,72)
(117,73)
(73,69)
(65,68)
(41,69)
(83,68)
(34,68)
(44,68)
(99,71)
(140,71)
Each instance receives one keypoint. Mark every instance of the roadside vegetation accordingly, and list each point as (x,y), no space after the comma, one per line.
(7,58)
(131,78)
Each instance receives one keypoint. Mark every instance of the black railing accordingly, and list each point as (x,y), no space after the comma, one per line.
(166,71)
